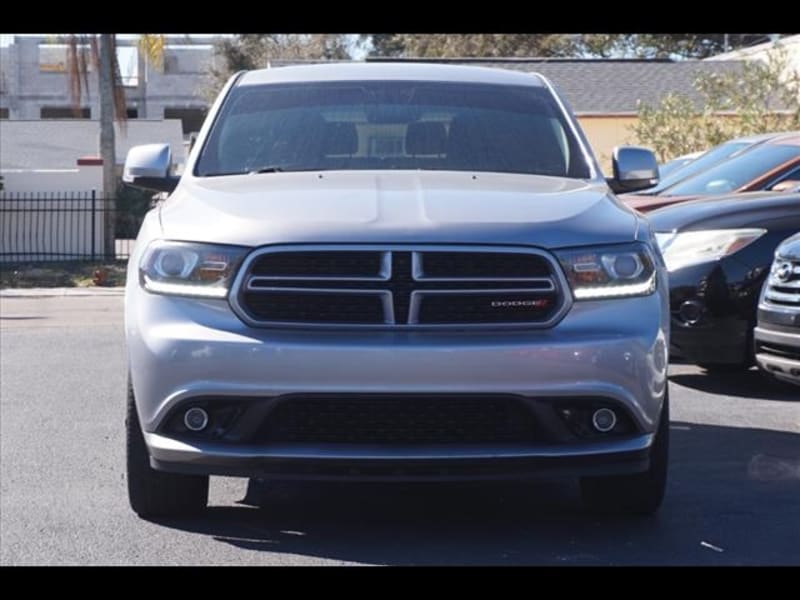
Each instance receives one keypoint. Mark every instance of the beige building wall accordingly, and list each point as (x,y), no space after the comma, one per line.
(606,131)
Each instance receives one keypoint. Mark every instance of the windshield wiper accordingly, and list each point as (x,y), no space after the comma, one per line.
(267,169)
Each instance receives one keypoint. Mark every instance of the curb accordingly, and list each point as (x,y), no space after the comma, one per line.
(59,292)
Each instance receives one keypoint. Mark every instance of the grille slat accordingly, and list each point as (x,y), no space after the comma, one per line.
(399,420)
(397,287)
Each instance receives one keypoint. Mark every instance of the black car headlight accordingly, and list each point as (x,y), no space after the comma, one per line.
(686,248)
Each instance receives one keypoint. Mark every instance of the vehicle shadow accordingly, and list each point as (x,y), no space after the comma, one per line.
(740,384)
(732,499)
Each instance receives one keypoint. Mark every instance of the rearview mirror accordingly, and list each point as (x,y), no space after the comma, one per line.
(149,167)
(634,169)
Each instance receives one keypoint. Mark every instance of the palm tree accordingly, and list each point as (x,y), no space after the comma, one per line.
(101,51)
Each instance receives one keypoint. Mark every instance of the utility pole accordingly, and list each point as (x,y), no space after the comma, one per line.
(107,143)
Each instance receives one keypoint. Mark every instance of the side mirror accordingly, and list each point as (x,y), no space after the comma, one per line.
(634,169)
(149,167)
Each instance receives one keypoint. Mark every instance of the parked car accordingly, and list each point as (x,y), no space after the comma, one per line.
(692,164)
(771,165)
(394,271)
(777,335)
(676,163)
(718,252)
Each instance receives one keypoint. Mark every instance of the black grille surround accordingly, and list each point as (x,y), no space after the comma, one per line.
(399,287)
(401,419)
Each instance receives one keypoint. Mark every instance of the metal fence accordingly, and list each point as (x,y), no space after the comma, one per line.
(43,227)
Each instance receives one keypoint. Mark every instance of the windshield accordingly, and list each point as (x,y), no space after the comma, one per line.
(701,163)
(733,173)
(391,125)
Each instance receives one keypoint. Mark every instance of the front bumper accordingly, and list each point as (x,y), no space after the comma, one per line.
(778,352)
(417,463)
(182,349)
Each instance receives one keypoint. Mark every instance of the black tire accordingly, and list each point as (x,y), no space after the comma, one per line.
(153,493)
(639,494)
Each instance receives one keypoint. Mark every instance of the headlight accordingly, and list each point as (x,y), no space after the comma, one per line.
(695,247)
(189,269)
(609,271)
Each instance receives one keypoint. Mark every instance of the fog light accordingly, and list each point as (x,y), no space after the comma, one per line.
(604,420)
(195,419)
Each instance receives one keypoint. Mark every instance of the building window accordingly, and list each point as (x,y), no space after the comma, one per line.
(191,118)
(171,64)
(132,112)
(3,113)
(65,112)
(53,57)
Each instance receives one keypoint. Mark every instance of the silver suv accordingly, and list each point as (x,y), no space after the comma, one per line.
(777,335)
(396,272)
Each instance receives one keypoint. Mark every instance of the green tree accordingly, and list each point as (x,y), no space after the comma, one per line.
(254,51)
(601,45)
(763,97)
(686,45)
(453,45)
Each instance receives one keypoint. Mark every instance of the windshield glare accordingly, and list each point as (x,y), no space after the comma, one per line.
(391,125)
(701,163)
(735,172)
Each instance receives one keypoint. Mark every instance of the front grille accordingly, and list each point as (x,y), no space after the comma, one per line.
(318,264)
(783,284)
(399,420)
(518,307)
(305,307)
(449,265)
(399,287)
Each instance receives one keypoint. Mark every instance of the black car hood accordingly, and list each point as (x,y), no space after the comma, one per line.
(724,212)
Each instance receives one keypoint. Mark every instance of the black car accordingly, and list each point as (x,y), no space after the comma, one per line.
(777,336)
(718,252)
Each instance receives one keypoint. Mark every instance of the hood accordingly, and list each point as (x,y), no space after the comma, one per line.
(752,209)
(790,247)
(645,204)
(395,207)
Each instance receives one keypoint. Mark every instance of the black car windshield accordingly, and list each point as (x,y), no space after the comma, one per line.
(735,172)
(356,125)
(701,163)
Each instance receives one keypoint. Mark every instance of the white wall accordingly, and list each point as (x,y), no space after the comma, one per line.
(77,180)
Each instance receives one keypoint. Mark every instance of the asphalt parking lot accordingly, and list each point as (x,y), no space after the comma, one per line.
(733,495)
